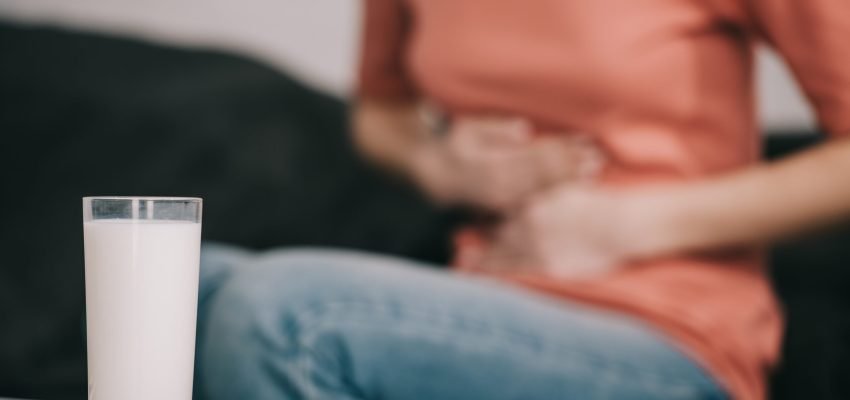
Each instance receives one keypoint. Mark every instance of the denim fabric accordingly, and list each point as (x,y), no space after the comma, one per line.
(327,324)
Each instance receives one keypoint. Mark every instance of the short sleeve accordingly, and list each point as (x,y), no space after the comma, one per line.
(813,36)
(382,59)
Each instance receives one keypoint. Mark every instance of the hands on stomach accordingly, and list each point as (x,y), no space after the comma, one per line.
(550,218)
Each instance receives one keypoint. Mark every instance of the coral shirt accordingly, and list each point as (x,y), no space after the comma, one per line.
(666,86)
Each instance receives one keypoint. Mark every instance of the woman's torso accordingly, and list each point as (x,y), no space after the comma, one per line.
(665,87)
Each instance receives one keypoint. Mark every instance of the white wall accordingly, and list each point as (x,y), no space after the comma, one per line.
(314,39)
(781,104)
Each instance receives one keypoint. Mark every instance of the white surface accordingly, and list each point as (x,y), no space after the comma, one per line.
(781,103)
(141,302)
(317,40)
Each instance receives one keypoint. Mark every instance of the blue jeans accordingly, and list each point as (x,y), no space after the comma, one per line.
(324,324)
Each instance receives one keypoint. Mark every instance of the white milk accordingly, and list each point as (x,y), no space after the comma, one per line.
(141,304)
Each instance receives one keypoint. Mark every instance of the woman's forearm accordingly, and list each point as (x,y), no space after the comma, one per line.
(757,205)
(389,133)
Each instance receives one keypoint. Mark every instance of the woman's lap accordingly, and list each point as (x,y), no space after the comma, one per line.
(322,324)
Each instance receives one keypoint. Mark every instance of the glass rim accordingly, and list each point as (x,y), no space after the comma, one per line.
(146,198)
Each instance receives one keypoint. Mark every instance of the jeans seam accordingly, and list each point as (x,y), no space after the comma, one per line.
(316,319)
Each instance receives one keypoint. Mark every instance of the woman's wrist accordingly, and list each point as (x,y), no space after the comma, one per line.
(655,223)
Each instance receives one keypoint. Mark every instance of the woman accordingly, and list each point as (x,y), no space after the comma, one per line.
(635,277)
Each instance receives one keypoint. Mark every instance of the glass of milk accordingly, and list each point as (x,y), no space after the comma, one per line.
(142,258)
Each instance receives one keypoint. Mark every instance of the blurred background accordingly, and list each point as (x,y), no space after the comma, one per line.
(316,41)
(244,103)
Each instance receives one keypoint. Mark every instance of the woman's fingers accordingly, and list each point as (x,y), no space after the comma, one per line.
(498,133)
(566,158)
(494,159)
(497,163)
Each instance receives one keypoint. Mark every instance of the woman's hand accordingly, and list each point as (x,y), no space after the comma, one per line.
(584,231)
(573,232)
(494,164)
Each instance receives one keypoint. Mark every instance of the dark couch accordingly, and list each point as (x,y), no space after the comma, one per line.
(83,114)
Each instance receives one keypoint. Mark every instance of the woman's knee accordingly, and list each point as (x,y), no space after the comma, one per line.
(277,312)
(273,289)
